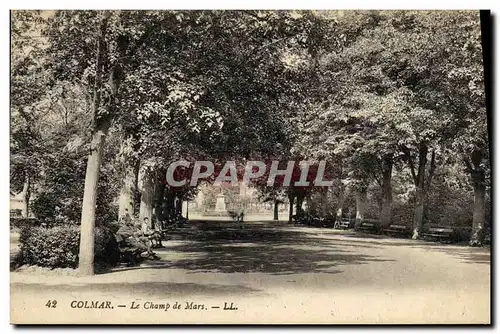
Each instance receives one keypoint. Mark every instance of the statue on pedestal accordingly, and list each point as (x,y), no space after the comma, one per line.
(220,203)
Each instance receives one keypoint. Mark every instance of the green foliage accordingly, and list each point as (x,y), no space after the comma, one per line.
(60,190)
(450,203)
(57,247)
(351,87)
(18,223)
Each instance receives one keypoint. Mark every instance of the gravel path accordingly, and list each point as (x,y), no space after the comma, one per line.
(272,274)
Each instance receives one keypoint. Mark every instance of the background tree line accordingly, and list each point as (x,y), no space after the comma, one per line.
(103,101)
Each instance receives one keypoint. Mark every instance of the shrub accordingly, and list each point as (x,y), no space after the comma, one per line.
(50,247)
(15,260)
(106,249)
(58,247)
(23,222)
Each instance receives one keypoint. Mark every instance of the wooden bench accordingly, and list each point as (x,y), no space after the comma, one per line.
(487,238)
(163,232)
(130,255)
(370,226)
(439,233)
(344,224)
(398,230)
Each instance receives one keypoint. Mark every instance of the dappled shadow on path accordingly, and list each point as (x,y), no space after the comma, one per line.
(247,248)
(473,258)
(466,254)
(481,255)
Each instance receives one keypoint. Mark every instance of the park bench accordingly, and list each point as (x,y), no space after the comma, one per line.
(369,226)
(395,230)
(487,239)
(446,233)
(310,220)
(344,224)
(438,233)
(130,255)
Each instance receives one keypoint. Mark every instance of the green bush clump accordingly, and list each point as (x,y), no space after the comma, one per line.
(58,247)
(106,251)
(22,222)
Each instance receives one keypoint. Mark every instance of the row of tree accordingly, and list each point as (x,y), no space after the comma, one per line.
(102,102)
(405,91)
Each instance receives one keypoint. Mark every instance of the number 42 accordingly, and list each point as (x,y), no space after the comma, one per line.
(51,303)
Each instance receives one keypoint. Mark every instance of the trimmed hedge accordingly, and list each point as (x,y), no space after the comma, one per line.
(23,222)
(58,247)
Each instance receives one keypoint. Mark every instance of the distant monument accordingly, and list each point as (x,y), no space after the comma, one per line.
(217,201)
(220,204)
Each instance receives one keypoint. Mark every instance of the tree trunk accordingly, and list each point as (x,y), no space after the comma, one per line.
(137,193)
(360,207)
(340,208)
(86,251)
(298,207)
(26,193)
(128,188)
(479,185)
(276,204)
(290,208)
(418,214)
(309,203)
(338,215)
(477,236)
(385,217)
(158,200)
(170,201)
(86,255)
(178,205)
(147,192)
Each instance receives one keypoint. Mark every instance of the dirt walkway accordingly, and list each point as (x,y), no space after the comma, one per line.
(274,274)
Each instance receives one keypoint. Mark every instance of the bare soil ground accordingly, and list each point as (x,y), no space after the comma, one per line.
(273,273)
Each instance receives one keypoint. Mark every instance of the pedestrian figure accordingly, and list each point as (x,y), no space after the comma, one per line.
(126,219)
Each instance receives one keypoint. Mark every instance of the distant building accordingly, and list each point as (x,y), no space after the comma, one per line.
(17,205)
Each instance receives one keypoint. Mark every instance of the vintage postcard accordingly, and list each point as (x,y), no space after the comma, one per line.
(249,167)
